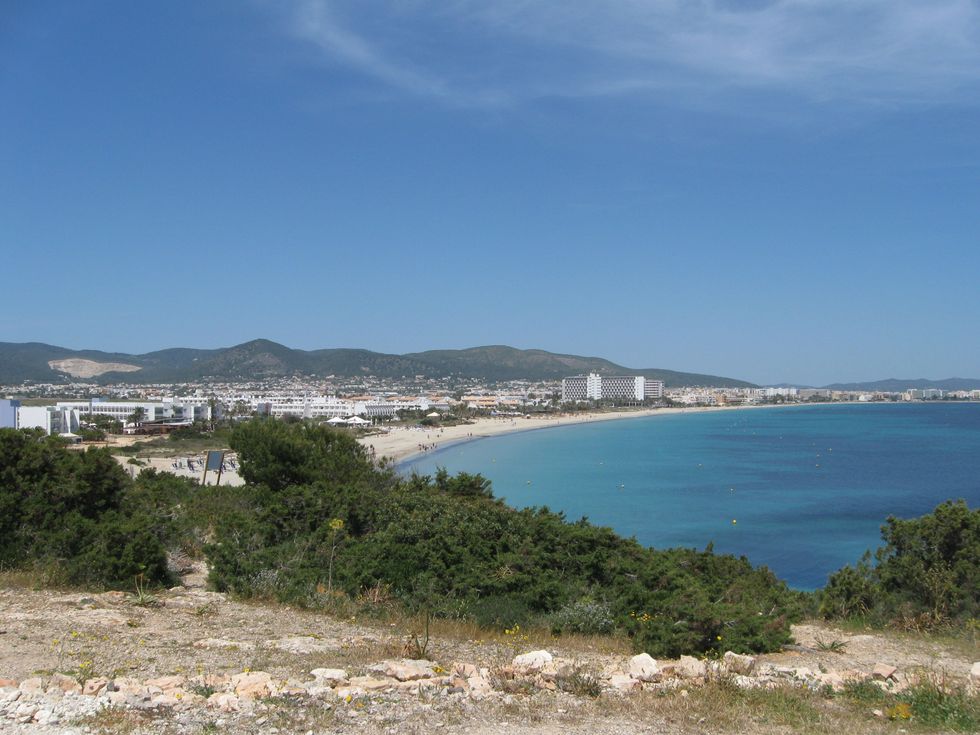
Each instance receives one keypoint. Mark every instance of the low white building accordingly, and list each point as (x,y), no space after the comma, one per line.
(390,409)
(51,419)
(304,407)
(169,409)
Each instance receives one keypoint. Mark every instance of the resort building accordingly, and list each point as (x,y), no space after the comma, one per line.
(574,388)
(480,402)
(595,387)
(390,409)
(328,407)
(304,407)
(169,409)
(653,389)
(623,388)
(8,413)
(51,419)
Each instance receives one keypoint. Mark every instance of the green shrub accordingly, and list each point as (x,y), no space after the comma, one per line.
(586,616)
(928,703)
(446,545)
(934,704)
(928,572)
(67,511)
(500,612)
(850,592)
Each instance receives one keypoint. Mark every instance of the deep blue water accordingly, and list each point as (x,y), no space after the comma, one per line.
(808,486)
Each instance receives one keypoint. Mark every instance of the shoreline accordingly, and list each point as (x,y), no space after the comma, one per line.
(402,444)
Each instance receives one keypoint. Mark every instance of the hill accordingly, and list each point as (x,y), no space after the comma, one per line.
(261,358)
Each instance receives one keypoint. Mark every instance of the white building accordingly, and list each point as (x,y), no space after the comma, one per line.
(653,389)
(8,413)
(304,407)
(595,387)
(169,409)
(328,407)
(574,388)
(623,388)
(52,419)
(389,409)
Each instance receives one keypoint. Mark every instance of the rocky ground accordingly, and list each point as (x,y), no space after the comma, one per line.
(191,661)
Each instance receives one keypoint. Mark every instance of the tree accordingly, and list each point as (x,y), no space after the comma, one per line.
(927,571)
(137,416)
(278,455)
(105,423)
(316,514)
(65,510)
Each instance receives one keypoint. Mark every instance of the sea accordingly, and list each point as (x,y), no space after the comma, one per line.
(803,490)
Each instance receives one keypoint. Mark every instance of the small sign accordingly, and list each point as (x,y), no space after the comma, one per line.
(215,460)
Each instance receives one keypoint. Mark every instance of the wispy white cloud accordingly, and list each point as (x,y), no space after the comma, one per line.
(479,52)
(315,22)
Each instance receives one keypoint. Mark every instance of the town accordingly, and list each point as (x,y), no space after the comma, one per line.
(68,408)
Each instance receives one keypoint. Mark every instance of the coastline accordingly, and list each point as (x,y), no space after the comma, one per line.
(404,443)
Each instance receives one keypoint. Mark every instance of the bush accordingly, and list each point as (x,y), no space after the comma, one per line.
(934,704)
(929,703)
(67,511)
(928,572)
(850,592)
(446,545)
(500,612)
(584,616)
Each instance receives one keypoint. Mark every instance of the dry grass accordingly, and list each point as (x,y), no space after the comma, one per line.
(35,577)
(717,707)
(116,721)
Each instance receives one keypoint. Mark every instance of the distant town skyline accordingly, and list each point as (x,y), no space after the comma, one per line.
(771,191)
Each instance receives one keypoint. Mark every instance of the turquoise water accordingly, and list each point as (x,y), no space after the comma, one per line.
(807,486)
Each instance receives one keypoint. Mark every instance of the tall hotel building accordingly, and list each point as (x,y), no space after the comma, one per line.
(594,387)
(653,389)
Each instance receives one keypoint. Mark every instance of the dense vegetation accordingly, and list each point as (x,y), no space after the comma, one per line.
(318,523)
(927,573)
(75,515)
(317,516)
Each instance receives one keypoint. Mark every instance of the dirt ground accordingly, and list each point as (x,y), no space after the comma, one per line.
(190,631)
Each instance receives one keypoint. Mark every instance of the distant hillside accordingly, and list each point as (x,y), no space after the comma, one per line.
(897,385)
(261,358)
(499,362)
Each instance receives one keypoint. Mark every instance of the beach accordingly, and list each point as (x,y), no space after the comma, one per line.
(402,442)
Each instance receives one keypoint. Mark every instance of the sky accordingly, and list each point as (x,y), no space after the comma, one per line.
(773,190)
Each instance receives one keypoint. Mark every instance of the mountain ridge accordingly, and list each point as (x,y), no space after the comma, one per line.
(263,358)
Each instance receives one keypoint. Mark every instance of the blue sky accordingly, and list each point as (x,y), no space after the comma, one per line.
(778,190)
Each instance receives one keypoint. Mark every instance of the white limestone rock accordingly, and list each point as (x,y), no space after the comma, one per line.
(329,677)
(406,669)
(253,684)
(643,667)
(689,667)
(532,661)
(737,663)
(624,683)
(883,672)
(303,644)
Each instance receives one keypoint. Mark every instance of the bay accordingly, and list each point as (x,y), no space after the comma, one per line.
(801,489)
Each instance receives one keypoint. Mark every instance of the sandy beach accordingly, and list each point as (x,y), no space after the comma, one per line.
(402,442)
